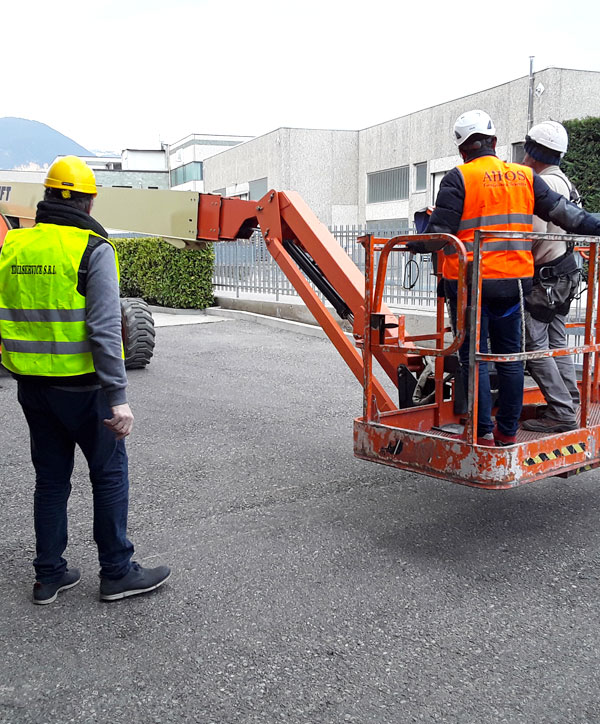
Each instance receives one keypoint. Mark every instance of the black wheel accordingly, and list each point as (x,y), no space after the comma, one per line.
(137,328)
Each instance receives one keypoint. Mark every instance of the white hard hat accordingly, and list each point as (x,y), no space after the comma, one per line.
(550,134)
(470,123)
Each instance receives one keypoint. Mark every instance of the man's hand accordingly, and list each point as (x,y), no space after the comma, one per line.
(416,247)
(425,247)
(121,423)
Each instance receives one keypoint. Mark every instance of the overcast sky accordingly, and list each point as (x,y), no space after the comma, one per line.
(116,74)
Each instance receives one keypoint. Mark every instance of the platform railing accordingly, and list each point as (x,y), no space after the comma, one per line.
(377,256)
(590,376)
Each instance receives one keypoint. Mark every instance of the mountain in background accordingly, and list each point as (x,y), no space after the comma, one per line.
(28,144)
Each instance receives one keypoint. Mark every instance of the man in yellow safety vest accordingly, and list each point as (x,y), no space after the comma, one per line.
(60,329)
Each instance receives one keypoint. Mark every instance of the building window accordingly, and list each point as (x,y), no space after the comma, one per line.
(436,180)
(388,227)
(390,185)
(221,192)
(184,174)
(518,152)
(421,176)
(258,188)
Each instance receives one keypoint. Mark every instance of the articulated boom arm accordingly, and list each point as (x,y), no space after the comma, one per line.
(437,436)
(303,247)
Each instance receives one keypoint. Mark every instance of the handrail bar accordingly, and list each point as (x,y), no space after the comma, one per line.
(461,303)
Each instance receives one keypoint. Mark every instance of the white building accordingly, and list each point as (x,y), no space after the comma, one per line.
(379,176)
(138,169)
(28,177)
(186,158)
(134,168)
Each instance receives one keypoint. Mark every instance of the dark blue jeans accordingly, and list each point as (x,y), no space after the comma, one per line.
(501,322)
(58,420)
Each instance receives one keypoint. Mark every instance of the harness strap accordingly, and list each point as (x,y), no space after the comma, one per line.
(93,243)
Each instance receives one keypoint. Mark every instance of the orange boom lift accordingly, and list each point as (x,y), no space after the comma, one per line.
(392,430)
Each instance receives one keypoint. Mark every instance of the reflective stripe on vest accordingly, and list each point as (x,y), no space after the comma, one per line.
(42,315)
(22,345)
(491,245)
(496,220)
(498,197)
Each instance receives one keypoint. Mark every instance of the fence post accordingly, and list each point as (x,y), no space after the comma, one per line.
(237,271)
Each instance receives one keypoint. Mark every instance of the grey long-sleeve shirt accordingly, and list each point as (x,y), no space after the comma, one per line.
(103,322)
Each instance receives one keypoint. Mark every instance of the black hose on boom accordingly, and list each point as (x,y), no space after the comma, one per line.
(316,276)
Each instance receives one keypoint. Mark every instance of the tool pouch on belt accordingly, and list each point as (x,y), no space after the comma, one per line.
(554,287)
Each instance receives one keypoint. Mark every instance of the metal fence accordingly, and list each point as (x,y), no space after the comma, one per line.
(247,267)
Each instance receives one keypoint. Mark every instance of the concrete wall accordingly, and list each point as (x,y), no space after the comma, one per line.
(133,179)
(568,94)
(427,135)
(197,147)
(30,177)
(329,168)
(150,160)
(260,157)
(417,321)
(319,164)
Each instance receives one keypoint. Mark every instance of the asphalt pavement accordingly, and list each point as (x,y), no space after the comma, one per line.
(308,586)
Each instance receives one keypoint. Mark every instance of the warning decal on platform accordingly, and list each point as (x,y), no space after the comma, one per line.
(558,453)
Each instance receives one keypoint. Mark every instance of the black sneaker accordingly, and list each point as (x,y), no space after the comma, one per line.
(47,592)
(549,424)
(138,580)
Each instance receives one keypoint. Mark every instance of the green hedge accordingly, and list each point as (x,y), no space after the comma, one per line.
(163,275)
(582,161)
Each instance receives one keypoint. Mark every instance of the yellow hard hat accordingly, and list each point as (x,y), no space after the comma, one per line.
(71,174)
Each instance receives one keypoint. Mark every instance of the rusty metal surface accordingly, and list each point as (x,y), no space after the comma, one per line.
(4,227)
(410,439)
(441,455)
(384,248)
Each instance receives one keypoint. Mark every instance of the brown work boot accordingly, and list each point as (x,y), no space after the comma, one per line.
(549,424)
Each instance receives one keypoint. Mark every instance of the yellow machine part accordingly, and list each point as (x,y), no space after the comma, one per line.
(172,215)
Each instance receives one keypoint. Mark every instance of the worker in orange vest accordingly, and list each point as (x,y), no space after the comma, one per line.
(489,194)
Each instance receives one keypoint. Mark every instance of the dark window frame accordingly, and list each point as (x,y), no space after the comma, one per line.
(391,184)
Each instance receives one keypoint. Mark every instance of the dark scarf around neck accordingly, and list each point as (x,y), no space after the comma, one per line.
(53,212)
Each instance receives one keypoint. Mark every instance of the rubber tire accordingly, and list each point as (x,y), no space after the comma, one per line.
(137,329)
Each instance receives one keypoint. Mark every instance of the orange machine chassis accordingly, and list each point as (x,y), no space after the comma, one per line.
(414,438)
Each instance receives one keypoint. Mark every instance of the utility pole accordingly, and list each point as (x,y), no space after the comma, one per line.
(530,99)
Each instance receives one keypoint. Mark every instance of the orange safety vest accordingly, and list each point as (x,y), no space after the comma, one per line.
(498,196)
